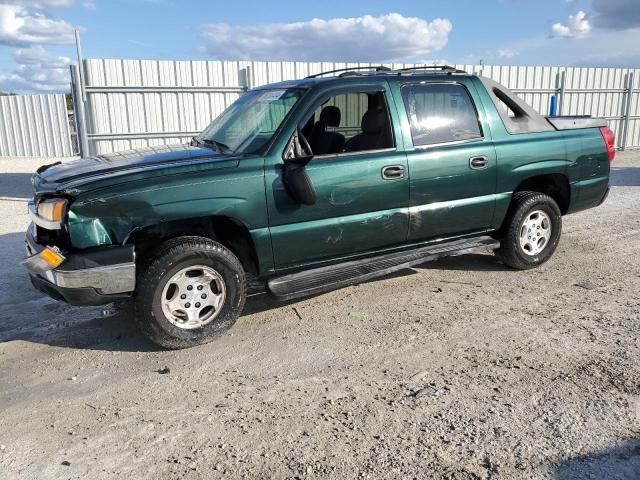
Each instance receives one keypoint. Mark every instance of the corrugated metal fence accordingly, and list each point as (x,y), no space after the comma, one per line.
(136,103)
(34,126)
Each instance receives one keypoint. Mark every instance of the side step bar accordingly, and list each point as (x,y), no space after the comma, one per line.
(316,280)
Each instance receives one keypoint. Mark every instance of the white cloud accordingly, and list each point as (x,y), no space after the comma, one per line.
(20,27)
(577,26)
(506,53)
(36,70)
(367,38)
(37,55)
(89,5)
(39,4)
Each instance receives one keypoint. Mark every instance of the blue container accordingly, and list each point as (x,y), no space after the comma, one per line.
(553,107)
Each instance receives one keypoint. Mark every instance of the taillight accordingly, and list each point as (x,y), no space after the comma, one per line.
(609,140)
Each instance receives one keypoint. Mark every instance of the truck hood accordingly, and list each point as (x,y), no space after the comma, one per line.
(85,170)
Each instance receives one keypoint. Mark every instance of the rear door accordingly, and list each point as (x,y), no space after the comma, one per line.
(362,190)
(451,159)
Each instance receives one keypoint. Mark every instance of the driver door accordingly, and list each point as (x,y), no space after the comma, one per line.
(362,191)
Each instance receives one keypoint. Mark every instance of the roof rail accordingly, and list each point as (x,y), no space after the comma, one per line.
(352,70)
(442,68)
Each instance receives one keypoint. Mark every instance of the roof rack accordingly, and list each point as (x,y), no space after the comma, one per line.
(351,70)
(442,68)
(355,71)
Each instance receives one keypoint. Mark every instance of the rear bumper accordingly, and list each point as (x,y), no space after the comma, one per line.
(606,194)
(92,278)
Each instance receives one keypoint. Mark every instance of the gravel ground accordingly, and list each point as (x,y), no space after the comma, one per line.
(459,369)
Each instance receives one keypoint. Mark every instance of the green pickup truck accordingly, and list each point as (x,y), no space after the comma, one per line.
(309,185)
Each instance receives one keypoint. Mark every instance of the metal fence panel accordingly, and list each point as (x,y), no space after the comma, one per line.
(34,126)
(137,103)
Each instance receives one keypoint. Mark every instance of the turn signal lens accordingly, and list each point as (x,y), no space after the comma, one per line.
(53,210)
(46,260)
(52,257)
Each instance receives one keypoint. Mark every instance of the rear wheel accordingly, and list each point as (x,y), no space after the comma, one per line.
(192,291)
(531,232)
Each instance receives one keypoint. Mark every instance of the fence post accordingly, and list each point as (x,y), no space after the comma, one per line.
(249,78)
(81,73)
(246,79)
(627,113)
(78,108)
(560,87)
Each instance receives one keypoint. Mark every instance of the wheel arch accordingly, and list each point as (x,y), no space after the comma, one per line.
(556,185)
(226,230)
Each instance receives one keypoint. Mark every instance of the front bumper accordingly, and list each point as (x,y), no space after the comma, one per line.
(92,278)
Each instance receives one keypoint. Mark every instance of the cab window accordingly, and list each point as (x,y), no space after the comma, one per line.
(440,113)
(350,122)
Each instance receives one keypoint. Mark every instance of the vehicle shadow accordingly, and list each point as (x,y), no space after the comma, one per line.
(619,463)
(476,262)
(111,328)
(625,177)
(16,185)
(31,316)
(263,302)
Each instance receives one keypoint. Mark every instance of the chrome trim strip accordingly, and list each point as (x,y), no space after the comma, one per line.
(449,204)
(109,279)
(119,278)
(42,222)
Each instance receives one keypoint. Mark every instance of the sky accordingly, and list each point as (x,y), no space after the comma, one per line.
(37,36)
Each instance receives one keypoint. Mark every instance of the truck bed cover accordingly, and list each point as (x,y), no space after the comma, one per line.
(578,121)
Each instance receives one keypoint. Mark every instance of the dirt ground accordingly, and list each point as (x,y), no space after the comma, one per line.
(460,369)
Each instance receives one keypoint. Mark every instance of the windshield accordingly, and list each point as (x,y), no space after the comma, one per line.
(248,125)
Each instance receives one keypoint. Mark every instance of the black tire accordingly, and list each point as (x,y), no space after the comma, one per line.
(171,257)
(522,205)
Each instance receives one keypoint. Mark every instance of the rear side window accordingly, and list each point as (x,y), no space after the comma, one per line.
(440,113)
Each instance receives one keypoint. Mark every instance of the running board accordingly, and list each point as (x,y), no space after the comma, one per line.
(316,280)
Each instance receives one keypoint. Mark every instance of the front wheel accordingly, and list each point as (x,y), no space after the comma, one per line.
(192,291)
(531,232)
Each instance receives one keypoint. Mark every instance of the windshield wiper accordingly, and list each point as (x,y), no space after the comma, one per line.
(221,147)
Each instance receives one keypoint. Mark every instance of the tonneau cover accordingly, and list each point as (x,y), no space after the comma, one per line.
(569,122)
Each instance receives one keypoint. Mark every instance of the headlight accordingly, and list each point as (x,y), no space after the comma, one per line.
(53,209)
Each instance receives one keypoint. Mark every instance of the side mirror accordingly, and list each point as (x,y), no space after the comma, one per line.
(295,176)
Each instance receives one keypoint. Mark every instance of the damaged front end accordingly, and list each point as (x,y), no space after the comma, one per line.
(60,260)
(92,277)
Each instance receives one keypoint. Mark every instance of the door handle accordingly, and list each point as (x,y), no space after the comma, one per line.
(391,172)
(478,163)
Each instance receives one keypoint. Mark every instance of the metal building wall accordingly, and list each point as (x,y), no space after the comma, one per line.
(137,103)
(34,126)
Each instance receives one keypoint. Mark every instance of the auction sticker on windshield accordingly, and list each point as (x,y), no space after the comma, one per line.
(271,95)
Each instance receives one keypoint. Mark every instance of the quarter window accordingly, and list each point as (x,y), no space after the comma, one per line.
(440,113)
